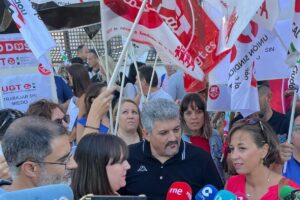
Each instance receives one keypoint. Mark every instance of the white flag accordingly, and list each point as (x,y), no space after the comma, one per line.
(32,29)
(219,98)
(236,14)
(267,14)
(296,26)
(294,80)
(244,94)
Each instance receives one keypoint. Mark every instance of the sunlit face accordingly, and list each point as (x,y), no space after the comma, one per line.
(246,156)
(296,134)
(57,173)
(129,117)
(116,174)
(165,138)
(194,118)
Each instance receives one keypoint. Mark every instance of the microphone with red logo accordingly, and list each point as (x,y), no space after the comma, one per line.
(179,191)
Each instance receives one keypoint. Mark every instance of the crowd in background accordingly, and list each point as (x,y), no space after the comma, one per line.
(158,135)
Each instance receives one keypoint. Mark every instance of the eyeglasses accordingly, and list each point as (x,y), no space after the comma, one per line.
(66,119)
(65,163)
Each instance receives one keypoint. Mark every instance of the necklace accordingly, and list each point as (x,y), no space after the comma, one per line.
(249,194)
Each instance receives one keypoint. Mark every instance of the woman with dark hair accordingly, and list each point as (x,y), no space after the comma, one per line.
(91,93)
(197,128)
(129,128)
(253,147)
(79,80)
(101,165)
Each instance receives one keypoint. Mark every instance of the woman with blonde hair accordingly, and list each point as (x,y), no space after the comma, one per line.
(129,128)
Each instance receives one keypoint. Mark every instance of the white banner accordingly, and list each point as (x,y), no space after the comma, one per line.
(24,80)
(14,52)
(20,91)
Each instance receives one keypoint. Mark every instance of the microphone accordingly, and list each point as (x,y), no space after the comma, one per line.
(179,191)
(49,192)
(208,192)
(288,193)
(225,195)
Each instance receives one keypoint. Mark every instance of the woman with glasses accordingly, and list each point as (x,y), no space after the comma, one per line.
(101,165)
(293,158)
(197,128)
(129,128)
(253,147)
(49,110)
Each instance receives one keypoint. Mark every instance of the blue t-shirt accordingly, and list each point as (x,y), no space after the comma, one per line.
(293,170)
(102,128)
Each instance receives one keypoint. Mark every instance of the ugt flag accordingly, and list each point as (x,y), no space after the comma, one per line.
(180,31)
(32,29)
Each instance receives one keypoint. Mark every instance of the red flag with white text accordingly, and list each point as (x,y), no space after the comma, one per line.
(180,31)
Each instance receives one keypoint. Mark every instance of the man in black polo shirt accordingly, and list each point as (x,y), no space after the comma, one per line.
(163,158)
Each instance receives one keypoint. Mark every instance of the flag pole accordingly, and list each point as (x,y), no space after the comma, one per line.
(291,124)
(153,71)
(118,65)
(121,97)
(133,58)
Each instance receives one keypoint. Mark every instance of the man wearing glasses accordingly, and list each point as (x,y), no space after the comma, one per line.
(37,152)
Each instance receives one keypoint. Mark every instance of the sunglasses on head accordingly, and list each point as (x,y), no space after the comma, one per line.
(252,121)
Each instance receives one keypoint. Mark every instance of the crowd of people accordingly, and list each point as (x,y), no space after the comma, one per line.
(159,135)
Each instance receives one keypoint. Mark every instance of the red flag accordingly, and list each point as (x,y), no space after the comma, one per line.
(180,31)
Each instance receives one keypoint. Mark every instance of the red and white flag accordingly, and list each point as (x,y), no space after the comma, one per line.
(263,47)
(180,31)
(32,29)
(219,98)
(296,26)
(235,16)
(267,14)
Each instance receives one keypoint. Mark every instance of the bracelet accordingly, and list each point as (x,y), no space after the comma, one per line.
(91,127)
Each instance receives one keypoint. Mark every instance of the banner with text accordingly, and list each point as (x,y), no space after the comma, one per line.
(22,79)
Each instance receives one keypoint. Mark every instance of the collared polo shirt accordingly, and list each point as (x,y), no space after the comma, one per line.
(149,176)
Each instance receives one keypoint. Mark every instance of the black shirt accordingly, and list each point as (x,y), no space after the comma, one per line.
(278,121)
(149,176)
